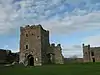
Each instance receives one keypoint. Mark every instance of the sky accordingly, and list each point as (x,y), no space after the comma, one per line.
(70,22)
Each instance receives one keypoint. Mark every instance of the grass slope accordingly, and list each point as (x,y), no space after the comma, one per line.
(66,69)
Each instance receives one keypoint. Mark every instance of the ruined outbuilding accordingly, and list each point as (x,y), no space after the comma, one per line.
(35,48)
(6,56)
(91,54)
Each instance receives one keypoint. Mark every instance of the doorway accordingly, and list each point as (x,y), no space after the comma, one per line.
(30,60)
(93,59)
(50,58)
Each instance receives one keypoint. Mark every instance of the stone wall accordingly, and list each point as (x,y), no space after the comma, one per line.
(6,56)
(73,60)
(3,56)
(96,56)
(86,53)
(45,44)
(91,54)
(59,59)
(57,51)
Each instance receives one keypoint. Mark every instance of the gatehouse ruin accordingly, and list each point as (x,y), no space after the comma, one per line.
(35,48)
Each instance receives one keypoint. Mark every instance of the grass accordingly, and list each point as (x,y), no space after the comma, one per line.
(66,69)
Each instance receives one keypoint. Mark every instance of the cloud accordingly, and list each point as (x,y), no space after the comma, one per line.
(71,24)
(58,16)
(6,47)
(72,50)
(14,51)
(93,40)
(68,54)
(77,46)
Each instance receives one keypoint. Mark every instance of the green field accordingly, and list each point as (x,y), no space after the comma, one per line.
(66,69)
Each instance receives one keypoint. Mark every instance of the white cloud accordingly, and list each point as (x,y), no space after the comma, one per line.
(32,11)
(48,14)
(73,23)
(6,47)
(14,51)
(92,40)
(71,50)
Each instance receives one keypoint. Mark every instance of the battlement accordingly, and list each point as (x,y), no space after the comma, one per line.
(86,45)
(95,47)
(53,44)
(58,45)
(33,27)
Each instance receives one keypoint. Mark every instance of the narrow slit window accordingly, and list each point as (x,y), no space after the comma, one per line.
(27,47)
(92,53)
(38,37)
(26,35)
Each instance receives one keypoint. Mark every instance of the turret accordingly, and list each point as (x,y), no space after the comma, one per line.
(59,45)
(86,53)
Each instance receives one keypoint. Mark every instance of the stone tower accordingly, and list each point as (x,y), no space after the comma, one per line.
(35,48)
(34,41)
(86,53)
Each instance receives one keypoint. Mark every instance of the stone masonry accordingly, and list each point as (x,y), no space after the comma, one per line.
(35,49)
(91,54)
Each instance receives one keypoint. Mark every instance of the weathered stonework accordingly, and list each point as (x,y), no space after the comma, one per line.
(35,47)
(91,54)
(58,57)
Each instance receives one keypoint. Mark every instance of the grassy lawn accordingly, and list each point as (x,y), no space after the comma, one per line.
(66,69)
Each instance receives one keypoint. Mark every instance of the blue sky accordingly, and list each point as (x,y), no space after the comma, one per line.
(70,22)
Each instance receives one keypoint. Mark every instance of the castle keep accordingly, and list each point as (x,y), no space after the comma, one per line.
(91,54)
(35,48)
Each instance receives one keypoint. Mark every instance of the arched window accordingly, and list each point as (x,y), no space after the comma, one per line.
(26,35)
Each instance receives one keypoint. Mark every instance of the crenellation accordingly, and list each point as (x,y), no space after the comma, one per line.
(53,44)
(58,46)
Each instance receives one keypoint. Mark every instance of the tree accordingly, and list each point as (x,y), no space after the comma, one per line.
(74,57)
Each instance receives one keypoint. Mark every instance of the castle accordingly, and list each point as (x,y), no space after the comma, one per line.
(35,48)
(91,54)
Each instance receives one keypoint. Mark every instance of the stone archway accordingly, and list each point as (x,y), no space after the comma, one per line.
(50,57)
(30,60)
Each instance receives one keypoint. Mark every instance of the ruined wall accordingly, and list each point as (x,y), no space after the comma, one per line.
(86,53)
(73,60)
(91,54)
(45,44)
(96,56)
(6,56)
(3,56)
(52,52)
(58,57)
